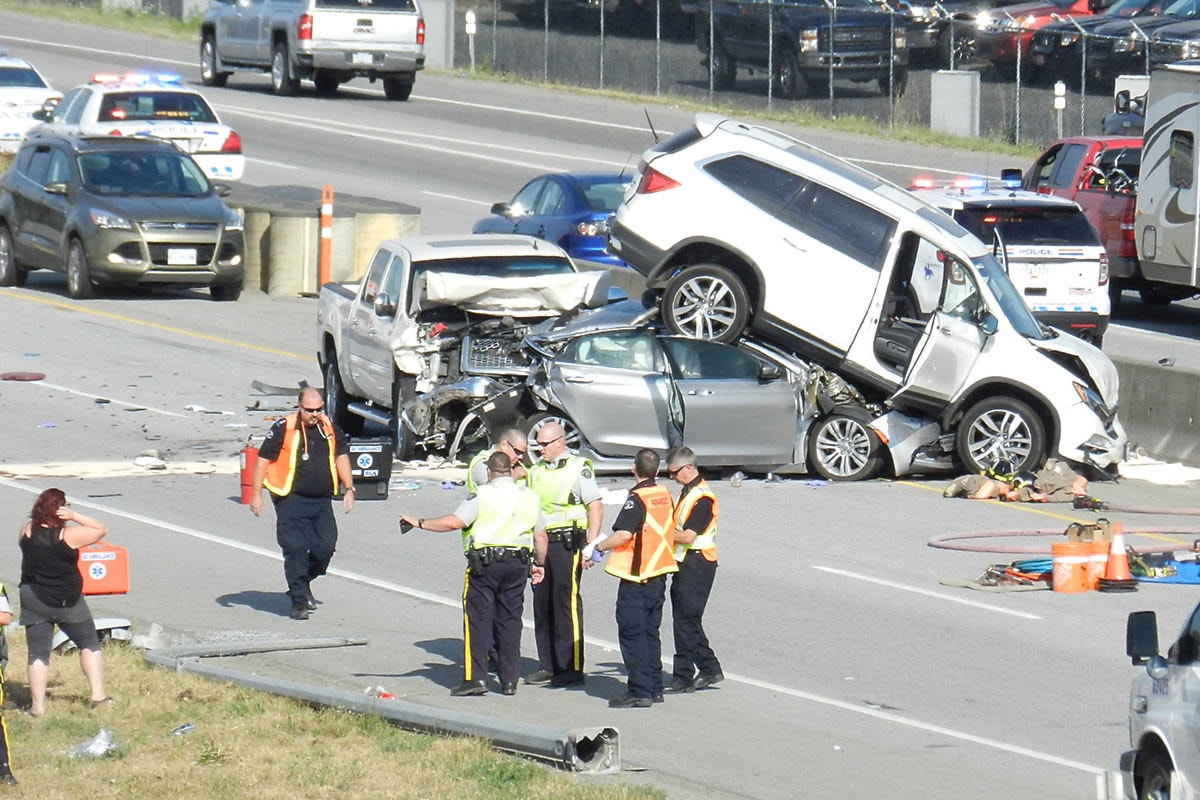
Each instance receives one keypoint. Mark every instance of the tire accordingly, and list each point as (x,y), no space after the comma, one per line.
(1154,297)
(534,424)
(326,83)
(788,80)
(209,74)
(404,391)
(897,85)
(283,82)
(10,273)
(1001,428)
(225,292)
(706,301)
(337,401)
(722,68)
(397,88)
(1156,779)
(79,279)
(964,46)
(842,447)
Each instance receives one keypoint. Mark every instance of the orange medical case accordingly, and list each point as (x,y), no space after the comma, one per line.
(105,568)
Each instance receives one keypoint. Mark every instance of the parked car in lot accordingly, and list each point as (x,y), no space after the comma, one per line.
(806,43)
(141,104)
(23,92)
(1123,45)
(1010,30)
(570,209)
(113,210)
(1048,247)
(1059,48)
(744,229)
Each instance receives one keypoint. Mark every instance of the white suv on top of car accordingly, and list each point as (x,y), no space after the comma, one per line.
(23,91)
(1051,252)
(159,105)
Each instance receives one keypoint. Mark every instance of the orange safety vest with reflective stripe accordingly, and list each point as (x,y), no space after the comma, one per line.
(706,540)
(648,553)
(282,470)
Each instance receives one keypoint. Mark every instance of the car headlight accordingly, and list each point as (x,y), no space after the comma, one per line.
(808,40)
(983,20)
(1068,39)
(1191,49)
(1091,399)
(234,220)
(110,221)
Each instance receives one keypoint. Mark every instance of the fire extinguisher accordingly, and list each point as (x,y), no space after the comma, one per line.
(249,455)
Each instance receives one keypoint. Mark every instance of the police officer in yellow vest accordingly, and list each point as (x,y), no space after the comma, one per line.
(510,441)
(641,556)
(303,461)
(504,538)
(571,503)
(695,523)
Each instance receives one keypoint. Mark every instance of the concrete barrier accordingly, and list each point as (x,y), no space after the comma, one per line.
(1159,409)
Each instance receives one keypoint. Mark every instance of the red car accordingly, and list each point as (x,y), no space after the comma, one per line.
(1100,173)
(1002,28)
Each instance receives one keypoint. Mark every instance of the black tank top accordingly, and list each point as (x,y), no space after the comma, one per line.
(49,566)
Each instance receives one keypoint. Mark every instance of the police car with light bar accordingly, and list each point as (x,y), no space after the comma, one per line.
(151,104)
(1052,253)
(23,92)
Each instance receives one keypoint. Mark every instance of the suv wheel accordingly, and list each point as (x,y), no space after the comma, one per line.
(1156,780)
(722,67)
(404,391)
(788,80)
(283,82)
(10,273)
(225,292)
(706,301)
(536,422)
(897,84)
(337,401)
(79,279)
(842,447)
(326,82)
(209,74)
(1001,428)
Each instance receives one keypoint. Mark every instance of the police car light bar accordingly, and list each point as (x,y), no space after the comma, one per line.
(138,78)
(966,183)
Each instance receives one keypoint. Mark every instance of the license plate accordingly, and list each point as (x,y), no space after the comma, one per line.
(181,256)
(362,58)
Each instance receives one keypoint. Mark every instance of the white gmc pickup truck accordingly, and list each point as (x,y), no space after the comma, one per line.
(327,41)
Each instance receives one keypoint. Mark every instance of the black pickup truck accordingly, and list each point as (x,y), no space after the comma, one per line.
(801,42)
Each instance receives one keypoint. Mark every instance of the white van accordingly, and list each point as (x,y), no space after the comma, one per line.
(743,229)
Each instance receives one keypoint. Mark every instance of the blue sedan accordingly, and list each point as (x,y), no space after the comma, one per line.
(570,209)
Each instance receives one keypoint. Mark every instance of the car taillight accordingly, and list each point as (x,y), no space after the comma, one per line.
(654,181)
(420,31)
(304,27)
(592,227)
(1127,230)
(114,132)
(1104,269)
(233,144)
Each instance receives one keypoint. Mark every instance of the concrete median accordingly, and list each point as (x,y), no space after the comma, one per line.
(1159,409)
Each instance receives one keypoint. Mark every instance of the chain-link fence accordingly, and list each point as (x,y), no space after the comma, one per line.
(846,60)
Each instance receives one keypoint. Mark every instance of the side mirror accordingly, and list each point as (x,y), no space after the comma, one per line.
(56,188)
(988,323)
(1141,636)
(384,306)
(1121,102)
(769,372)
(222,189)
(501,209)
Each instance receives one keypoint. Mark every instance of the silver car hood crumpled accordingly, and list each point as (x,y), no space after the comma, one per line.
(535,296)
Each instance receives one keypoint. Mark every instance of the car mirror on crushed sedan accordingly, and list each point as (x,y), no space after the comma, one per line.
(769,372)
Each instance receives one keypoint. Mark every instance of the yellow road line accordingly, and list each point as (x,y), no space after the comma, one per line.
(155,325)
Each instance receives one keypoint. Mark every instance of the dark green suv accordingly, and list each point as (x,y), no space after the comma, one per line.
(117,210)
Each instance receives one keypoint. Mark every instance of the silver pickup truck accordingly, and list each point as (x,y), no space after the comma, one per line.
(327,41)
(434,331)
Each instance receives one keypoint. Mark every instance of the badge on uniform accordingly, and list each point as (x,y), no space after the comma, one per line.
(586,472)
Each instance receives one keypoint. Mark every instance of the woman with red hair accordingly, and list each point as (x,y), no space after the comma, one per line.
(52,592)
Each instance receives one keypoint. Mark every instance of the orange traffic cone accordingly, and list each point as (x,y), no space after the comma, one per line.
(1117,577)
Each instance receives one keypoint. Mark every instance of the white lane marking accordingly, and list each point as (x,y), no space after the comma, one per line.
(366,580)
(139,406)
(926,592)
(546,115)
(456,197)
(276,164)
